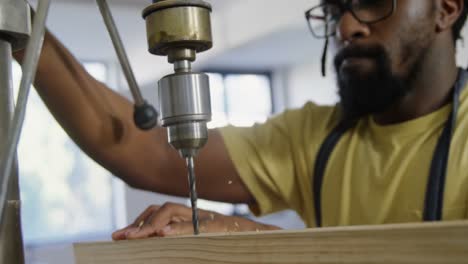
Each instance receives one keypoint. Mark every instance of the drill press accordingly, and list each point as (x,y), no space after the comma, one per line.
(179,29)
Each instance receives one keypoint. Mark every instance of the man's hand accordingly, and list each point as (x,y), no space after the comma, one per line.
(174,220)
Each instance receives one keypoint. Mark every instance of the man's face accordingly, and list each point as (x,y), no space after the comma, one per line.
(375,63)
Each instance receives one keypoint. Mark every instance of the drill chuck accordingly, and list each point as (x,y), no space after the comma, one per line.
(185,110)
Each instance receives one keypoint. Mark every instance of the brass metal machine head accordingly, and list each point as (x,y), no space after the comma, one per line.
(178,28)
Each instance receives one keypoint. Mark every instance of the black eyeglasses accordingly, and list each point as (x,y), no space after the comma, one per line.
(323,19)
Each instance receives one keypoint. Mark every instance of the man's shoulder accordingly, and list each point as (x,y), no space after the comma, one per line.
(309,121)
(312,114)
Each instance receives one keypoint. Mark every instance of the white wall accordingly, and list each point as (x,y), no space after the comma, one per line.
(80,27)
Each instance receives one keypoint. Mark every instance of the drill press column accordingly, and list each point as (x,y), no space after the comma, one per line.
(15,27)
(179,29)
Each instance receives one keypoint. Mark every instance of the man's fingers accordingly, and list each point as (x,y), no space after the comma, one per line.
(177,229)
(136,225)
(175,220)
(123,233)
(186,228)
(160,219)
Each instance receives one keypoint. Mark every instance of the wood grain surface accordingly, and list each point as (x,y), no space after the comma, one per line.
(407,243)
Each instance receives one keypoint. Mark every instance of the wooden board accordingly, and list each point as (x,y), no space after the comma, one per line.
(408,243)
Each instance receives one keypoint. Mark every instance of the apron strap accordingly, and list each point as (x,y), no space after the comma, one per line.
(321,164)
(434,201)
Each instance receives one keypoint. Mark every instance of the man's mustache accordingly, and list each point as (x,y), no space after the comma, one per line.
(359,51)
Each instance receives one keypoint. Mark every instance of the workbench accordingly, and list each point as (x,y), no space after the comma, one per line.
(445,242)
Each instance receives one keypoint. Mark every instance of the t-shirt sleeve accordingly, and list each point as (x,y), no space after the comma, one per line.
(269,159)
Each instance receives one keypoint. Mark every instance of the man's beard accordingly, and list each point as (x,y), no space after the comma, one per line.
(367,93)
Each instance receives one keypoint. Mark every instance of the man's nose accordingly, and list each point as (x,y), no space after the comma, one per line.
(349,28)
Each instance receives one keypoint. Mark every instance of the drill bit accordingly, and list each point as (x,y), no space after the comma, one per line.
(193,193)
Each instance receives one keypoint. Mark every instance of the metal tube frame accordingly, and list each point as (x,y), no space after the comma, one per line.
(33,52)
(120,50)
(11,242)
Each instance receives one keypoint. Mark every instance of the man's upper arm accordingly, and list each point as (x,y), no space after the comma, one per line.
(219,179)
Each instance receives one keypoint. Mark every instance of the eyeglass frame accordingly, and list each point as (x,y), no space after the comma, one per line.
(344,7)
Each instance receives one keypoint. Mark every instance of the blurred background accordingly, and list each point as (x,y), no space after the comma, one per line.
(264,60)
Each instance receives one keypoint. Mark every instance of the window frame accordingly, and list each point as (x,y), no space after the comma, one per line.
(237,209)
(226,72)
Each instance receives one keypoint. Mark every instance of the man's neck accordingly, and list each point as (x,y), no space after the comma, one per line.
(431,88)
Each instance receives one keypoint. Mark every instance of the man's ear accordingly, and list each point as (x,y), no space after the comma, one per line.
(448,12)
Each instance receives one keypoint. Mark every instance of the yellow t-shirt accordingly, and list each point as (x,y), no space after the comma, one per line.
(375,175)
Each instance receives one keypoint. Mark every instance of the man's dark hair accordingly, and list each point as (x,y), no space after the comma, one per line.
(458,26)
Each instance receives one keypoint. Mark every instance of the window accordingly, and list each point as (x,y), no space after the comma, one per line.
(65,195)
(240,99)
